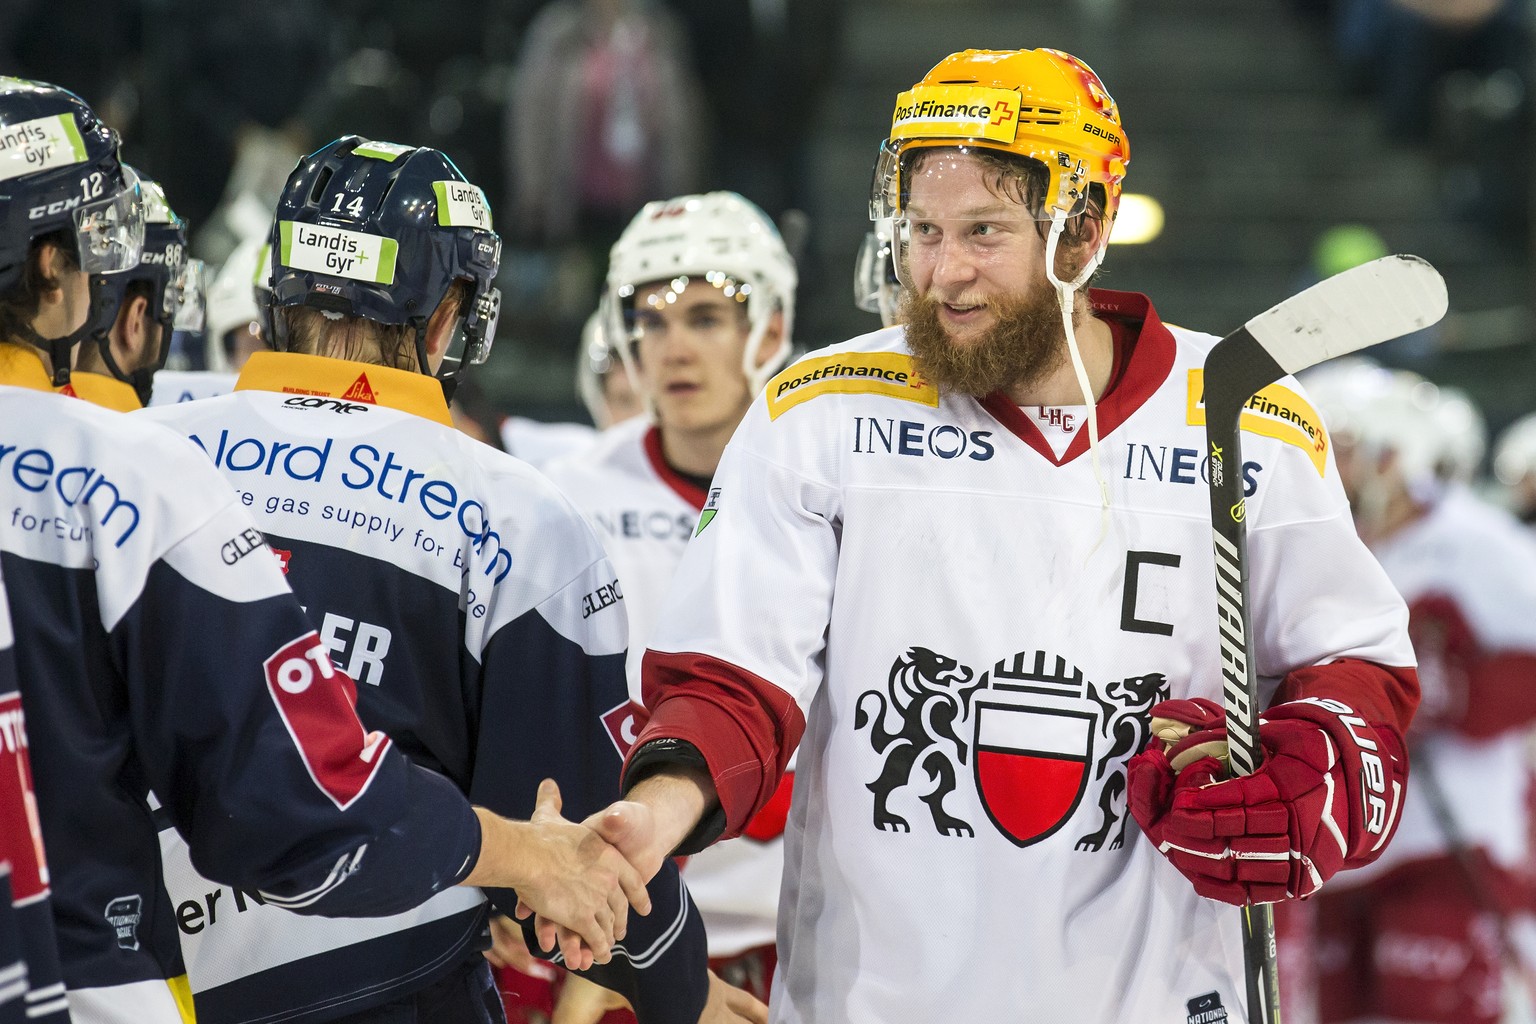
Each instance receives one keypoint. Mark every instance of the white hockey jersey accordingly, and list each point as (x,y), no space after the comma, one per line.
(538,443)
(644,513)
(1482,563)
(972,646)
(486,633)
(174,386)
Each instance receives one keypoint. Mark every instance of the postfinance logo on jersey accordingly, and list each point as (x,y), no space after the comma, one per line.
(372,473)
(1276,412)
(851,373)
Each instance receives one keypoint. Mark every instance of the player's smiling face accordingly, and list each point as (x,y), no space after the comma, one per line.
(690,353)
(969,249)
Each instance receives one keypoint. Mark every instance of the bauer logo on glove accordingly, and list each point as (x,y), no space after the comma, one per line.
(1325,797)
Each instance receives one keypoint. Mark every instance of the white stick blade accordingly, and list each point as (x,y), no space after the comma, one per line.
(1361,307)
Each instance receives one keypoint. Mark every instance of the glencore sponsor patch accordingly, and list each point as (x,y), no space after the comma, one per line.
(40,144)
(341,253)
(461,205)
(850,373)
(956,111)
(1276,412)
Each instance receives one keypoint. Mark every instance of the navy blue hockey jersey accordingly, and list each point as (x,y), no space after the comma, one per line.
(486,631)
(31,980)
(159,648)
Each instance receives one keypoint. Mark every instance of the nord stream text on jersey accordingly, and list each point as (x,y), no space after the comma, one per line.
(362,468)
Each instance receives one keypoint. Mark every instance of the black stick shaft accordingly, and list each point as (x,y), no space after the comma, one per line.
(1238,362)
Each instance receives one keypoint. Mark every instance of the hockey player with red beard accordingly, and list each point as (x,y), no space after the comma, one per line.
(958,564)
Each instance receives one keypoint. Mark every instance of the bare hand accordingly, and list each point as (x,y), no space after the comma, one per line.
(583,1002)
(580,883)
(508,949)
(728,1004)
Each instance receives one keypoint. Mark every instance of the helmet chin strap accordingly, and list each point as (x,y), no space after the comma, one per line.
(98,317)
(1066,292)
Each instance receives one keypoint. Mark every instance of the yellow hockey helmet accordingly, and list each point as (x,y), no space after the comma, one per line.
(1043,104)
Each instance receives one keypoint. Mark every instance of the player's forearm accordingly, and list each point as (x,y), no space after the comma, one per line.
(506,852)
(679,798)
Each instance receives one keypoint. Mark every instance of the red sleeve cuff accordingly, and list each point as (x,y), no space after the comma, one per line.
(1381,694)
(745,727)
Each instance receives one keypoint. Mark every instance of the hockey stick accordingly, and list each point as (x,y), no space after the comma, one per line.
(1371,303)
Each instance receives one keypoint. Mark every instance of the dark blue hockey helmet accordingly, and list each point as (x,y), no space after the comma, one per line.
(175,286)
(383,231)
(60,175)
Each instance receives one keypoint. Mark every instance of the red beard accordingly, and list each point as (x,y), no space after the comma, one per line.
(1025,344)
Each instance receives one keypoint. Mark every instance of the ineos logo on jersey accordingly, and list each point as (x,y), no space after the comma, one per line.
(312,402)
(875,435)
(1179,466)
(645,524)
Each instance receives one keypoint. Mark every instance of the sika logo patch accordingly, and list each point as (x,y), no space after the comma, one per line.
(360,391)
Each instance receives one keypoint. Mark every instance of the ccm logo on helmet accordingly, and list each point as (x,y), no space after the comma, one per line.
(61,206)
(1110,137)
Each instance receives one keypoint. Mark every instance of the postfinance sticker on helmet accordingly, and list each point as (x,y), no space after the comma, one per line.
(350,254)
(461,205)
(39,145)
(956,112)
(390,151)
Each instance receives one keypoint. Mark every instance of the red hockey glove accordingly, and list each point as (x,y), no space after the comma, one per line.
(1326,796)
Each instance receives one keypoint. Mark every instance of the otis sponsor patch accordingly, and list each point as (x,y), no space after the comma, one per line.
(355,255)
(853,373)
(956,112)
(1276,412)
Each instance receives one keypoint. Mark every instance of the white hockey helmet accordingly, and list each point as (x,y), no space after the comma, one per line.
(718,238)
(1514,458)
(1465,434)
(1434,433)
(232,295)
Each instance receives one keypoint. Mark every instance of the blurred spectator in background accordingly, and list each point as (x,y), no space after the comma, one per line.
(764,65)
(1344,246)
(605,113)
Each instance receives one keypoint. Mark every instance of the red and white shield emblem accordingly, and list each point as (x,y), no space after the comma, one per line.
(1031,767)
